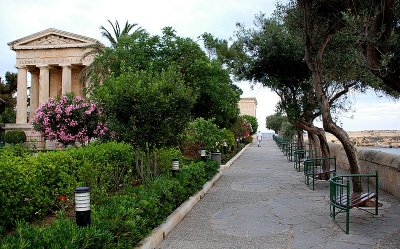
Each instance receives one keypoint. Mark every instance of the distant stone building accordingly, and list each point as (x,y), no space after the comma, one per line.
(248,106)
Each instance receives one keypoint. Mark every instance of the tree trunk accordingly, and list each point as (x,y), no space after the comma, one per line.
(338,132)
(323,143)
(313,137)
(148,163)
(312,144)
(138,171)
(314,60)
(155,163)
(300,138)
(325,154)
(142,163)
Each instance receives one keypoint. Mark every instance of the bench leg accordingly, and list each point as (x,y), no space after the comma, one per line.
(313,182)
(347,220)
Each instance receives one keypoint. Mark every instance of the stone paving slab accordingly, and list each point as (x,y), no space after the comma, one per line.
(262,202)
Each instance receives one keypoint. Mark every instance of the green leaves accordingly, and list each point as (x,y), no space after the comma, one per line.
(203,133)
(147,107)
(274,122)
(118,221)
(253,121)
(31,185)
(152,56)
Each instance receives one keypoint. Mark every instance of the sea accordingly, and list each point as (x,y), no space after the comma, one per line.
(395,151)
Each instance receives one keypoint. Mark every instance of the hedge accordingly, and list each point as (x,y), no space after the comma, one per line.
(32,186)
(15,137)
(122,214)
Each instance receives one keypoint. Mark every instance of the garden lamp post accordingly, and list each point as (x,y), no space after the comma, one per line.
(82,206)
(225,147)
(175,166)
(203,154)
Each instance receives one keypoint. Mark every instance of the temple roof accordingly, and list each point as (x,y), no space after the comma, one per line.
(52,38)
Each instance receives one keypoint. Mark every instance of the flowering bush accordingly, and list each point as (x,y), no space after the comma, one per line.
(242,128)
(69,119)
(201,133)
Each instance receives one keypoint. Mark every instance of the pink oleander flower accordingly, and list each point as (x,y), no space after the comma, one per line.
(69,119)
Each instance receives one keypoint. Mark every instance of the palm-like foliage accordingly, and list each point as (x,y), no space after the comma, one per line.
(118,33)
(98,48)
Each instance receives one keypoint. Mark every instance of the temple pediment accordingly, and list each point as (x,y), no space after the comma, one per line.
(52,38)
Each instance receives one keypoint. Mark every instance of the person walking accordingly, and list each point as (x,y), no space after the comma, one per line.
(259,138)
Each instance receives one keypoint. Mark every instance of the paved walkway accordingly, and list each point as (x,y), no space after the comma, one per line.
(262,202)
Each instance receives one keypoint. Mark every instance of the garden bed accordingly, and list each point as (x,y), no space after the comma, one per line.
(122,212)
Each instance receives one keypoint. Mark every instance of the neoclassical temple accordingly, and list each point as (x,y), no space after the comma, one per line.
(54,59)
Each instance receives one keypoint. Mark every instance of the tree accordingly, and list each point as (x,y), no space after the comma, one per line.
(217,96)
(273,54)
(319,31)
(114,37)
(242,128)
(287,130)
(7,101)
(274,122)
(96,70)
(70,119)
(147,109)
(376,24)
(201,133)
(253,122)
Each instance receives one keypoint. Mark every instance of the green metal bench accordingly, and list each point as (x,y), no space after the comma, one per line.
(293,147)
(318,169)
(284,145)
(342,198)
(299,156)
(280,142)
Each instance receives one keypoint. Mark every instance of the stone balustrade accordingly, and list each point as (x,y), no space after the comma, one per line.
(387,165)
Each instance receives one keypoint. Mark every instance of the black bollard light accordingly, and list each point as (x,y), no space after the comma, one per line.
(203,155)
(82,206)
(225,147)
(175,166)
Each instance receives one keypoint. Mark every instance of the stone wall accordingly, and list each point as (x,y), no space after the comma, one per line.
(388,166)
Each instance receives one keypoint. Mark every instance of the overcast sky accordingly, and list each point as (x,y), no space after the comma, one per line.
(190,18)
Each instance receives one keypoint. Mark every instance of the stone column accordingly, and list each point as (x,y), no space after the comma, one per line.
(66,79)
(22,95)
(44,84)
(34,102)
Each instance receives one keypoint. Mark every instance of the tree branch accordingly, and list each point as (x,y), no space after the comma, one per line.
(344,91)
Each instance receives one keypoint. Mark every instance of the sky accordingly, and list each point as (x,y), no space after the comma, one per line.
(190,18)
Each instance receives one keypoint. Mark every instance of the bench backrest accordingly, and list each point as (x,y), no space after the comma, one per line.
(341,188)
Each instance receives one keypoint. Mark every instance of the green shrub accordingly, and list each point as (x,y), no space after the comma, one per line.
(32,186)
(120,215)
(21,195)
(17,150)
(105,168)
(15,137)
(248,140)
(164,159)
(56,171)
(202,133)
(8,116)
(62,233)
(118,221)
